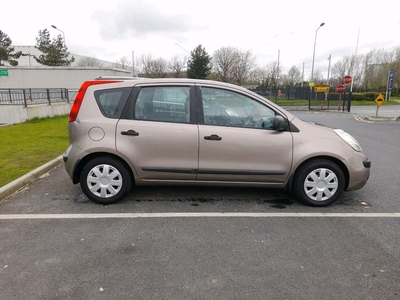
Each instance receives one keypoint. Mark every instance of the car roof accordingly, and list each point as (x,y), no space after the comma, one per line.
(107,77)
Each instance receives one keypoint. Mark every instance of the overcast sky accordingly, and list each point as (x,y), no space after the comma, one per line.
(112,29)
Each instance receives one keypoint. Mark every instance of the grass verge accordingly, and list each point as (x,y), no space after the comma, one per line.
(26,146)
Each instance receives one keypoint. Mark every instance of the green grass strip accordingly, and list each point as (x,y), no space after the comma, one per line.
(26,146)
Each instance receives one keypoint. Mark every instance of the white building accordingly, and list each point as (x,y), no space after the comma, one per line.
(29,74)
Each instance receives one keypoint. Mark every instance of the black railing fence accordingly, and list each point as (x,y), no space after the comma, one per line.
(306,97)
(27,97)
(303,97)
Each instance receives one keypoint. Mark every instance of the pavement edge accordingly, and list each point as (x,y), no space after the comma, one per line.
(28,178)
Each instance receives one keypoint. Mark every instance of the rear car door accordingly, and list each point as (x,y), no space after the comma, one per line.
(158,132)
(236,139)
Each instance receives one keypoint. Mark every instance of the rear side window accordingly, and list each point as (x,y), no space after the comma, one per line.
(165,103)
(112,101)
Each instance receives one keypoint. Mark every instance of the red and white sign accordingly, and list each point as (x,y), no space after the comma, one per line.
(347,79)
(340,88)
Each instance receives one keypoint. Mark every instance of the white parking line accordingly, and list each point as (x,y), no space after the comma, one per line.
(195,215)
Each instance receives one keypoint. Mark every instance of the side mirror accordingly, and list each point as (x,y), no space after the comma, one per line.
(279,123)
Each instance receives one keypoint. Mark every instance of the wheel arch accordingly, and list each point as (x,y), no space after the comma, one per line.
(82,162)
(341,165)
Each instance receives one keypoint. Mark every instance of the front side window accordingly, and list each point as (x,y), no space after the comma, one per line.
(227,108)
(164,103)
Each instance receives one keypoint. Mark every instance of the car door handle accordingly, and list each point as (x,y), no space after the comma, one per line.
(130,132)
(213,137)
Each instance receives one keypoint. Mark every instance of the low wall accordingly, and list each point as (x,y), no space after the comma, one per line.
(10,114)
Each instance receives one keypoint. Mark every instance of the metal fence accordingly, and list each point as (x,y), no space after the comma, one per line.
(27,97)
(306,98)
(294,97)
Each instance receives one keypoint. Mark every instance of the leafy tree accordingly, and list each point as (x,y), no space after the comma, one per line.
(55,52)
(199,65)
(7,52)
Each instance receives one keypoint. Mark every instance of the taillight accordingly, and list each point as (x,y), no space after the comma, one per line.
(81,93)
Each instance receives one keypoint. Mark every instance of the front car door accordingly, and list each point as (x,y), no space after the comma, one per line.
(159,134)
(237,142)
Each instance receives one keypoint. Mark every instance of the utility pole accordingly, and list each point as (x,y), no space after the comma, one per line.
(133,63)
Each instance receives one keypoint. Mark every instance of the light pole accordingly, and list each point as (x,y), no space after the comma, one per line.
(133,63)
(61,31)
(277,77)
(315,43)
(182,48)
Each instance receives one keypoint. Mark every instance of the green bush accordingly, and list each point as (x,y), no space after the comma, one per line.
(364,96)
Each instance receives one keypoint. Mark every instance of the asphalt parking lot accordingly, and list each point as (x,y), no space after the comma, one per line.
(208,243)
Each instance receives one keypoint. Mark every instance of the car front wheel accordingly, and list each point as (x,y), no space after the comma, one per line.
(105,180)
(319,182)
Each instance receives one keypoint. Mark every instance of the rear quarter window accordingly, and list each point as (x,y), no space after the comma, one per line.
(112,101)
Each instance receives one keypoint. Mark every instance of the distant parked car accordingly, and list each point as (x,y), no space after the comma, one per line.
(198,132)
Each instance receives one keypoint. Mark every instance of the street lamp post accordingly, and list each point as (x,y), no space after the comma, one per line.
(313,59)
(277,77)
(61,31)
(182,48)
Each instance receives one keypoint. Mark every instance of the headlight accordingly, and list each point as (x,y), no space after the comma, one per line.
(348,139)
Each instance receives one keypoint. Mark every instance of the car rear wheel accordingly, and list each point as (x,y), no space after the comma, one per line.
(319,182)
(105,180)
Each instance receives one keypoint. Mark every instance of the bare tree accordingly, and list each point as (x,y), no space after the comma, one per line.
(265,77)
(123,63)
(152,68)
(318,77)
(233,65)
(293,77)
(177,66)
(342,67)
(224,61)
(245,63)
(87,61)
(274,71)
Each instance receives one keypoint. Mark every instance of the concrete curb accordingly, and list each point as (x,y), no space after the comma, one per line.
(19,183)
(382,118)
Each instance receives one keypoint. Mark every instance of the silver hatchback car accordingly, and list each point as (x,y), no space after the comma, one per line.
(199,132)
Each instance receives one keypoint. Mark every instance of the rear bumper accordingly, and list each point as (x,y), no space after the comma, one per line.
(67,162)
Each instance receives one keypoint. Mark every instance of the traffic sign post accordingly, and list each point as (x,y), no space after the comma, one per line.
(379,100)
(340,89)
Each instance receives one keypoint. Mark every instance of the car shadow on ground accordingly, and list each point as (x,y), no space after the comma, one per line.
(196,195)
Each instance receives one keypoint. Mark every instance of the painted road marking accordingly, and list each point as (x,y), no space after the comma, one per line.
(195,215)
(362,120)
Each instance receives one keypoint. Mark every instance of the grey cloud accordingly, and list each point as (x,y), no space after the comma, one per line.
(137,19)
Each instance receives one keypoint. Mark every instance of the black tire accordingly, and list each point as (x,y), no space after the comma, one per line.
(319,182)
(105,192)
